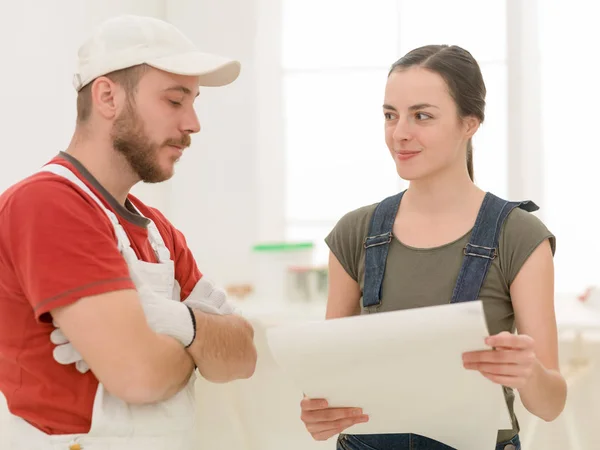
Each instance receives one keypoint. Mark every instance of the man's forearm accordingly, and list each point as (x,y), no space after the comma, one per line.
(132,361)
(163,368)
(172,368)
(224,347)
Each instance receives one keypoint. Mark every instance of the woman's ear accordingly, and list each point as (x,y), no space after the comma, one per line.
(471,125)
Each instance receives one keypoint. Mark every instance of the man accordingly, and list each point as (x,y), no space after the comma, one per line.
(85,265)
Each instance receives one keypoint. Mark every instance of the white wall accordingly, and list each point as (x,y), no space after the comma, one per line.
(213,195)
(570,33)
(213,198)
(525,151)
(38,41)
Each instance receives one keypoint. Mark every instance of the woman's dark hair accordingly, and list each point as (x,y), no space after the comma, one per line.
(461,73)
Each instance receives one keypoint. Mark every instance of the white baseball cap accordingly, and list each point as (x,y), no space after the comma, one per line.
(128,41)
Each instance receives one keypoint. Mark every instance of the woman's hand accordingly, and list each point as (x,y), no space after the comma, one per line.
(511,362)
(323,422)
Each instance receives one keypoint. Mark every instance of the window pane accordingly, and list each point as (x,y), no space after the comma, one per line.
(336,154)
(479,27)
(490,141)
(571,157)
(339,33)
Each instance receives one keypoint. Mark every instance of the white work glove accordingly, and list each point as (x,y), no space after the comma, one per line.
(64,352)
(167,316)
(210,299)
(164,316)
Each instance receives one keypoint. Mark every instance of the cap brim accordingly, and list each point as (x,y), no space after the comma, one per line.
(212,70)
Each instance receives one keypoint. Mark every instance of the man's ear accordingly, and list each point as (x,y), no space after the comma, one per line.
(107,97)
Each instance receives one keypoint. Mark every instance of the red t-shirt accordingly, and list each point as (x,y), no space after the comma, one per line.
(57,246)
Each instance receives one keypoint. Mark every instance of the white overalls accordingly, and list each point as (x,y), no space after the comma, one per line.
(117,425)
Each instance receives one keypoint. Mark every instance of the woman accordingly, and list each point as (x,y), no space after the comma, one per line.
(445,240)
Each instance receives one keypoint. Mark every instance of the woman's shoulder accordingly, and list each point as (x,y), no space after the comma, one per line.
(522,226)
(359,217)
(522,233)
(346,239)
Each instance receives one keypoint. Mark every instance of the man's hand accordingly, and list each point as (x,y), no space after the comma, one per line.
(224,348)
(208,298)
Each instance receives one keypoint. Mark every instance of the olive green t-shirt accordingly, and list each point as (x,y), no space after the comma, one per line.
(416,277)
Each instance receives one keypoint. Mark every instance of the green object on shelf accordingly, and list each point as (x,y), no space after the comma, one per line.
(282,246)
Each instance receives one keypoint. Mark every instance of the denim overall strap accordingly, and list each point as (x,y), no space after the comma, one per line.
(482,248)
(376,248)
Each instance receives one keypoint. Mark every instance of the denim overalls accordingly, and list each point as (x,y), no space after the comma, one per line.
(479,253)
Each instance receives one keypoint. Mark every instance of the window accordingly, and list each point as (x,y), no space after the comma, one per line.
(335,57)
(570,95)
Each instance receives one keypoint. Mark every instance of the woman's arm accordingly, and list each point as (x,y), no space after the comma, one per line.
(532,294)
(344,293)
(528,361)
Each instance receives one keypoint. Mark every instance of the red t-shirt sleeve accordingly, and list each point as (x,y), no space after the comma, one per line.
(61,245)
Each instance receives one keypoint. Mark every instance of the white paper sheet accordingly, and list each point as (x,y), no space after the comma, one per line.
(404,368)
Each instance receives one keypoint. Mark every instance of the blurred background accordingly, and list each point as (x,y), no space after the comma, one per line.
(297,141)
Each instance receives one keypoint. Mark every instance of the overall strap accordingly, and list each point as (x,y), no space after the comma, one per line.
(123,243)
(482,247)
(122,240)
(163,254)
(376,248)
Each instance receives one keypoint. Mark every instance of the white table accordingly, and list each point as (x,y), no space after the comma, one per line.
(578,324)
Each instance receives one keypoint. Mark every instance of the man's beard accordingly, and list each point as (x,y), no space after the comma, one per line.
(129,139)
